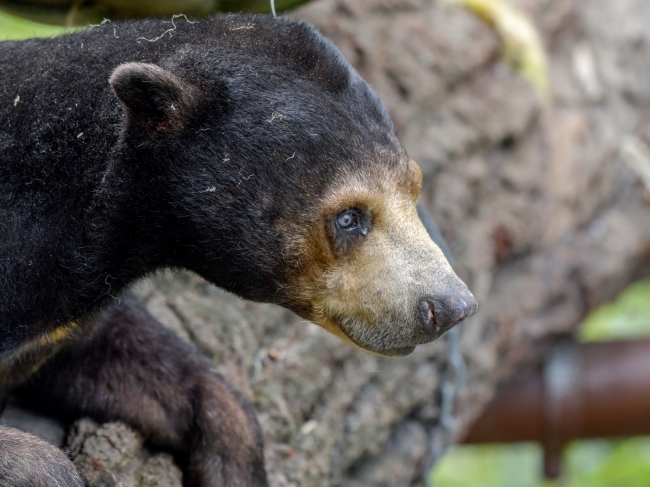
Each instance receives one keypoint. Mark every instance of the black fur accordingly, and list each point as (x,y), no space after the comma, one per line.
(92,199)
(134,370)
(208,139)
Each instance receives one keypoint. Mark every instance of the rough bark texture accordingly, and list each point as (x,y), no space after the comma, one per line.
(542,209)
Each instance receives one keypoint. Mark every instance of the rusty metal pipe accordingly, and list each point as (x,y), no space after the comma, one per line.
(589,390)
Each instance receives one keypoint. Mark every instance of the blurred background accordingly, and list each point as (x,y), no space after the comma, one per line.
(531,122)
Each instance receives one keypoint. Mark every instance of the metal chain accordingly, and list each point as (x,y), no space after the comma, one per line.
(442,434)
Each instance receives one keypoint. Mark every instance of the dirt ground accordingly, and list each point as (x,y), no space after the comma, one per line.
(543,207)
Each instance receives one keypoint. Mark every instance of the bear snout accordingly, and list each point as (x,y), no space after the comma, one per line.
(438,314)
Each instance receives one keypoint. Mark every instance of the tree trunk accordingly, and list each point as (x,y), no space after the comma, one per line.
(543,207)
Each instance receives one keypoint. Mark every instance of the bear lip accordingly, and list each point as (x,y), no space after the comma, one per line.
(395,352)
(385,352)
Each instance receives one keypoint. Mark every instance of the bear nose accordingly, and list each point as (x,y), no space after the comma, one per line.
(441,313)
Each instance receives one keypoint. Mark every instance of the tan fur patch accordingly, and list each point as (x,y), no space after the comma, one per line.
(370,295)
(27,358)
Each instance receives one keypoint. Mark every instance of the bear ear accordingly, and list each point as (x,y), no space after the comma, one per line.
(154,97)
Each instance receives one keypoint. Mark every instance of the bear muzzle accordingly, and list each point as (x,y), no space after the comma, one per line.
(429,319)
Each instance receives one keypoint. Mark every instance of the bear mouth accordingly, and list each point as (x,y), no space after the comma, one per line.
(387,352)
(391,348)
(394,352)
(401,351)
(401,348)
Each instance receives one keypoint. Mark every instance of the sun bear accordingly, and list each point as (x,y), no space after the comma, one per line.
(243,148)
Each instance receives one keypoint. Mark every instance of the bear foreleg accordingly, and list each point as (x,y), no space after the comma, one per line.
(136,371)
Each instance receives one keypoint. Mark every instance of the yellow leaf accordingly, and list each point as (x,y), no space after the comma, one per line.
(521,44)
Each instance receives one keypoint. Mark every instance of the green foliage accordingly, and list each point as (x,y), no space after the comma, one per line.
(626,317)
(12,27)
(595,463)
(514,465)
(607,463)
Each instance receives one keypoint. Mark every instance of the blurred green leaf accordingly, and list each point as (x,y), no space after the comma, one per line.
(73,12)
(608,463)
(513,465)
(12,27)
(627,317)
(593,463)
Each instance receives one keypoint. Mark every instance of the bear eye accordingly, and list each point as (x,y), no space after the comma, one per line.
(348,220)
(349,227)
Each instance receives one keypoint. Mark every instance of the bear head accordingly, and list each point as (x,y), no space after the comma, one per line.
(281,179)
